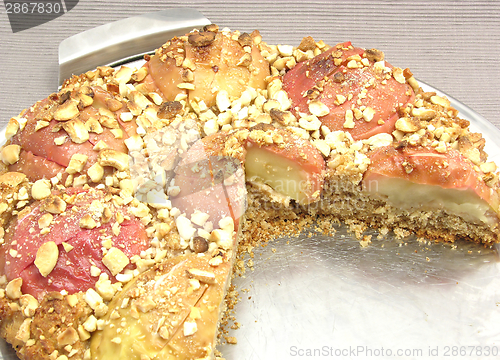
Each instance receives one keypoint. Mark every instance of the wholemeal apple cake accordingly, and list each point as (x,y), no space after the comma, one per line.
(125,194)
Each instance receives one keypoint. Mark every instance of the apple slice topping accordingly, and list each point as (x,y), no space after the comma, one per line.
(168,312)
(349,89)
(78,121)
(287,163)
(54,247)
(202,63)
(417,177)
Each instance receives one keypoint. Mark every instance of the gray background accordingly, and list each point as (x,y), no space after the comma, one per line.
(452,45)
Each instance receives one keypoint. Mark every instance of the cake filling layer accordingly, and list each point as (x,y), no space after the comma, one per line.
(409,195)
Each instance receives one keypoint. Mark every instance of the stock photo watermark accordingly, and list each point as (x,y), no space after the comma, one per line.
(26,14)
(363,352)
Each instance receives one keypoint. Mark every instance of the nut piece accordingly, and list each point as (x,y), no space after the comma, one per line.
(307,43)
(24,333)
(423,113)
(318,108)
(28,304)
(45,220)
(11,129)
(13,289)
(200,245)
(145,304)
(349,120)
(46,258)
(116,159)
(438,100)
(115,260)
(67,337)
(76,163)
(368,114)
(10,154)
(54,204)
(374,55)
(40,189)
(398,75)
(66,111)
(190,328)
(202,276)
(203,38)
(86,222)
(76,131)
(95,172)
(407,125)
(169,109)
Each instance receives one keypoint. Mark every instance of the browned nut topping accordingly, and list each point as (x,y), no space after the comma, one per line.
(203,38)
(245,60)
(374,55)
(13,289)
(113,104)
(12,129)
(85,100)
(407,125)
(245,40)
(66,111)
(10,154)
(24,332)
(68,337)
(45,220)
(202,276)
(140,74)
(423,113)
(169,109)
(12,178)
(438,100)
(145,304)
(212,27)
(41,189)
(95,172)
(28,304)
(76,163)
(76,131)
(116,159)
(307,43)
(200,245)
(86,222)
(46,258)
(54,204)
(65,96)
(115,260)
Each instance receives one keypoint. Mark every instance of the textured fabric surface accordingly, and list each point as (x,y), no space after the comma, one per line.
(452,45)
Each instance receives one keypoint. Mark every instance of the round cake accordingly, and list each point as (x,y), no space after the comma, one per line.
(126,195)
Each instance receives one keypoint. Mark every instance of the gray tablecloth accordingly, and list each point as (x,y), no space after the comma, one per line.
(452,45)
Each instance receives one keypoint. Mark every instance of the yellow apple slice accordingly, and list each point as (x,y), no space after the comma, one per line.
(169,312)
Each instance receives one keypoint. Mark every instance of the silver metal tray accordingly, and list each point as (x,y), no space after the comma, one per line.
(328,297)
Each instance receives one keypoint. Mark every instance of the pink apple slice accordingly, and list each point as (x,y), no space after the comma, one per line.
(352,87)
(290,165)
(46,140)
(412,177)
(79,247)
